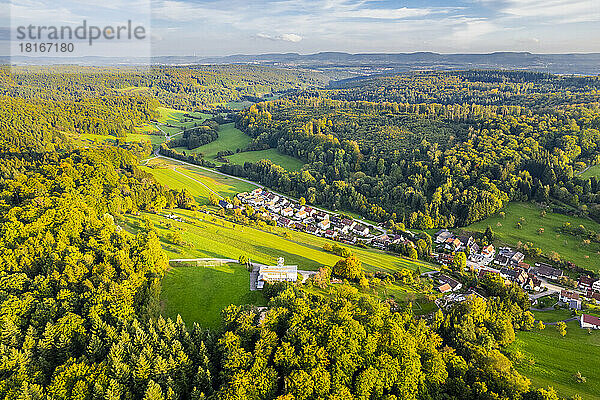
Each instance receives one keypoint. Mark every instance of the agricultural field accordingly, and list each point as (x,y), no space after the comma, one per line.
(569,247)
(287,162)
(199,293)
(558,358)
(199,182)
(592,171)
(210,236)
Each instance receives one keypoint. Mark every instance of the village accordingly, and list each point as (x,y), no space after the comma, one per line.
(291,214)
(539,279)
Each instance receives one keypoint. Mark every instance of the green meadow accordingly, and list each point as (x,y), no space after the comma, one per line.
(557,358)
(231,138)
(185,289)
(592,171)
(569,247)
(199,182)
(210,236)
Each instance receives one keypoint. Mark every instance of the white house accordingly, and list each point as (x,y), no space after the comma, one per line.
(324,225)
(596,286)
(277,273)
(572,299)
(287,212)
(589,321)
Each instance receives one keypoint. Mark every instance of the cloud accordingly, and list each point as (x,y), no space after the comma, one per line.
(286,37)
(553,11)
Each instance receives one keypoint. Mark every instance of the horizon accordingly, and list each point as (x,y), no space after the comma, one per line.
(214,28)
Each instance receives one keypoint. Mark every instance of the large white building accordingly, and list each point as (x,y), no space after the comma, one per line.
(277,273)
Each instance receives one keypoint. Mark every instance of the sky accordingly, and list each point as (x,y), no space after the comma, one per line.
(212,28)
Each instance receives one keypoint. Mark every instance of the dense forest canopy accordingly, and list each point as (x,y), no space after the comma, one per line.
(184,88)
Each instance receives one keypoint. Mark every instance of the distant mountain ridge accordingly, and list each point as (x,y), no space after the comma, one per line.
(369,63)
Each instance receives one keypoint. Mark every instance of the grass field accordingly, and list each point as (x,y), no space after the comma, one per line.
(169,115)
(558,358)
(287,162)
(187,177)
(211,236)
(185,289)
(231,138)
(592,171)
(569,247)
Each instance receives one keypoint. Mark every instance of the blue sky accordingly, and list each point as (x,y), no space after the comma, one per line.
(204,28)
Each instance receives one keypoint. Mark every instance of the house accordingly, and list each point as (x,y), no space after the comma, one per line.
(514,275)
(533,284)
(593,296)
(589,322)
(309,211)
(442,235)
(546,271)
(301,214)
(224,204)
(585,282)
(348,239)
(517,258)
(445,259)
(454,284)
(483,272)
(283,221)
(466,241)
(474,248)
(488,251)
(287,212)
(324,224)
(452,244)
(320,215)
(502,260)
(330,233)
(361,230)
(278,273)
(571,299)
(524,266)
(381,242)
(444,288)
(313,230)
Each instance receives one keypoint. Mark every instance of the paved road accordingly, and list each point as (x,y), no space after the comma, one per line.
(564,320)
